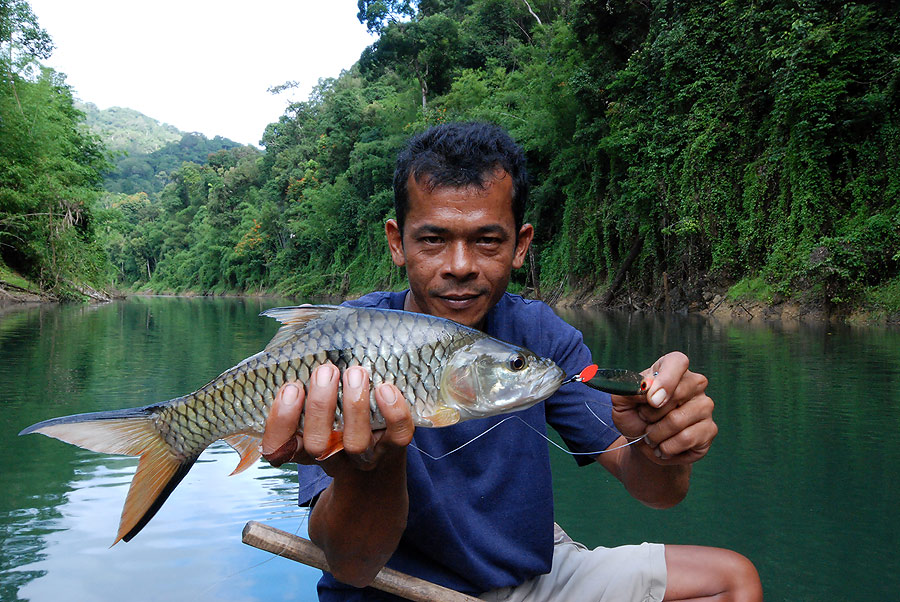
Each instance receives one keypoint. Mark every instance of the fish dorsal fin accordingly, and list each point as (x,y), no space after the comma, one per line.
(248,447)
(294,320)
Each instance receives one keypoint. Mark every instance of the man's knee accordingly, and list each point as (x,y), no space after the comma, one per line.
(698,571)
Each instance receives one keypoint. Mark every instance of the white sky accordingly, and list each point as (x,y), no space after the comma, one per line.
(200,65)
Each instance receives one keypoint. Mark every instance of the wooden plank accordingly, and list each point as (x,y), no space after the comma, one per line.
(302,550)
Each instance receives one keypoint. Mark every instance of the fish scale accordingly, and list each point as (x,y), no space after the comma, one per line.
(441,368)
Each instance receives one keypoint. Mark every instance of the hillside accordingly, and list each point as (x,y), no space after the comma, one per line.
(143,150)
(150,172)
(127,130)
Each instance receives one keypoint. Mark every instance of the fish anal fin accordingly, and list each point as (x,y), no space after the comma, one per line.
(443,416)
(294,320)
(335,444)
(248,446)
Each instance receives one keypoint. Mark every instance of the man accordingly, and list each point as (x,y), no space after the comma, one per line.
(481,520)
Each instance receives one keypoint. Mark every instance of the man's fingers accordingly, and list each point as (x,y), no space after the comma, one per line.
(283,454)
(321,402)
(280,441)
(686,428)
(357,419)
(668,371)
(689,445)
(399,425)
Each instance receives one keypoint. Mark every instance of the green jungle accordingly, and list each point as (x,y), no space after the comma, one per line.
(677,150)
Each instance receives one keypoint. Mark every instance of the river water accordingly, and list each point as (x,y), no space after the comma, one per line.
(802,479)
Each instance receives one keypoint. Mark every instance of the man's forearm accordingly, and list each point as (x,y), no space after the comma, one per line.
(359,519)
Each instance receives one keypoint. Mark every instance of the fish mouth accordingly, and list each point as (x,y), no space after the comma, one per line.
(551,382)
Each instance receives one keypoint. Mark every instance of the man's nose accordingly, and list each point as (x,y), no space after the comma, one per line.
(461,262)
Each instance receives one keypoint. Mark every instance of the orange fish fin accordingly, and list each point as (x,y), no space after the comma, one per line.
(248,447)
(335,444)
(129,432)
(158,473)
(444,416)
(295,320)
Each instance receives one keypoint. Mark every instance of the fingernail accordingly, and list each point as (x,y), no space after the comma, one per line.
(657,452)
(388,395)
(658,398)
(323,375)
(368,455)
(289,394)
(354,377)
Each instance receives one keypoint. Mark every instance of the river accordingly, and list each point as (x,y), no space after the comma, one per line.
(802,479)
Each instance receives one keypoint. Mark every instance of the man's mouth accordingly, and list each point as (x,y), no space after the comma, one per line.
(459,300)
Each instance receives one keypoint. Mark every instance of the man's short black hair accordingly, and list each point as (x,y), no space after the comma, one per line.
(459,155)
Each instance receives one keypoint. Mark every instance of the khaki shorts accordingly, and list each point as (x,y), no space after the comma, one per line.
(623,574)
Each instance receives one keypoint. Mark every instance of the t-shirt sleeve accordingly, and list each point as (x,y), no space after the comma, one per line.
(313,481)
(581,415)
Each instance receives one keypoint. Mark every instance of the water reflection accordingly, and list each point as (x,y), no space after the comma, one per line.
(60,505)
(799,478)
(802,477)
(190,550)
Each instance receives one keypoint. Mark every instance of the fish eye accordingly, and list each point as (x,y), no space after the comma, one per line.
(516,362)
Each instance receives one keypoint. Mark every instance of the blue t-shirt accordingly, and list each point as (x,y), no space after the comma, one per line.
(482,517)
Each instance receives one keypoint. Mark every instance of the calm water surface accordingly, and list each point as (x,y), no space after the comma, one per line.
(802,478)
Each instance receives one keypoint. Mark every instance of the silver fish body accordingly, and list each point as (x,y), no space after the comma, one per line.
(446,372)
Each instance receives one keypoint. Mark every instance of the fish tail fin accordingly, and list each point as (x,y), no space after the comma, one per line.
(129,432)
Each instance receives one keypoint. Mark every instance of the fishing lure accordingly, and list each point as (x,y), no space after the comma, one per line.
(615,381)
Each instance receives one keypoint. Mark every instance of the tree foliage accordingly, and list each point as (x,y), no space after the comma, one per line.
(673,146)
(50,166)
(149,172)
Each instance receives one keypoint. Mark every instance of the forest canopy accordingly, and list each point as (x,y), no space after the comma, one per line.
(673,146)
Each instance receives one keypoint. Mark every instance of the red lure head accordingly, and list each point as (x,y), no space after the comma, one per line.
(588,373)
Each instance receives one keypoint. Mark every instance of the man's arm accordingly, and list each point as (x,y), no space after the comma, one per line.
(676,417)
(359,519)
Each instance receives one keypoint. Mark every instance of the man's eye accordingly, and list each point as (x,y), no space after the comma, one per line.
(487,240)
(431,240)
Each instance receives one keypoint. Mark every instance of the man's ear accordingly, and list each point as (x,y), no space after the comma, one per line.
(526,233)
(395,242)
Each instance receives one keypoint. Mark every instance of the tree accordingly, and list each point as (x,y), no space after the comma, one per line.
(51,166)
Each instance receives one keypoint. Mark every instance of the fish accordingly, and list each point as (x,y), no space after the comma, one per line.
(447,372)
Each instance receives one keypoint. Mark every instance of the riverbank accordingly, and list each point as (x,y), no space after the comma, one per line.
(16,289)
(715,304)
(721,306)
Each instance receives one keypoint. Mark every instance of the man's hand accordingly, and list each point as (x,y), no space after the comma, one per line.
(363,448)
(361,515)
(675,414)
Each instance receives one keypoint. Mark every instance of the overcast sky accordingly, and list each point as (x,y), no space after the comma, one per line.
(201,65)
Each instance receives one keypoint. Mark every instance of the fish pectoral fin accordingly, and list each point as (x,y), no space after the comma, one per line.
(248,447)
(335,444)
(443,416)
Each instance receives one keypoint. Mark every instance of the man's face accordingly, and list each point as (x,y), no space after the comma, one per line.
(459,247)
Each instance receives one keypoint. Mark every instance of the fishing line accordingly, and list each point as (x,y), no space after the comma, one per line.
(585,376)
(545,437)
